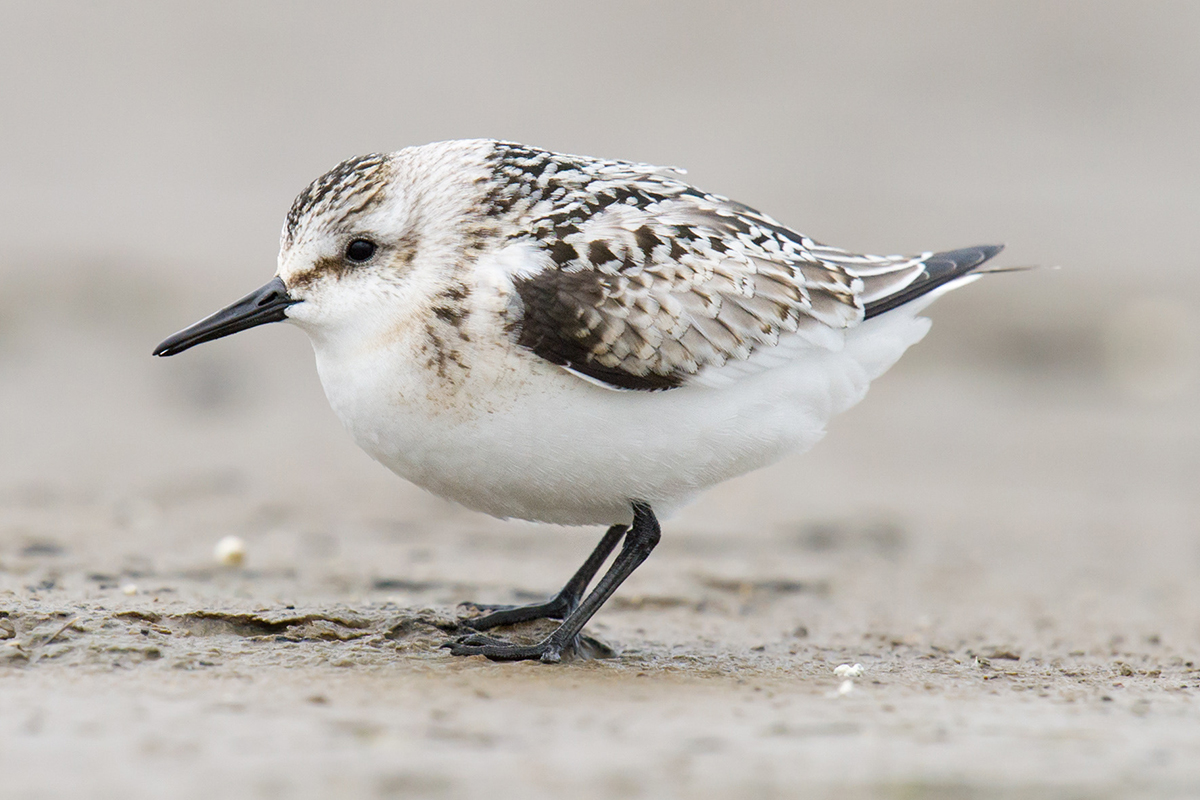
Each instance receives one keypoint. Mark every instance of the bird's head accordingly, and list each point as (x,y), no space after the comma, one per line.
(363,242)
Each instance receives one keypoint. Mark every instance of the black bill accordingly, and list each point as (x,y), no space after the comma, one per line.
(257,308)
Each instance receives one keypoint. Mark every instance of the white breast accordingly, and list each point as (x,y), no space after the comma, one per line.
(514,436)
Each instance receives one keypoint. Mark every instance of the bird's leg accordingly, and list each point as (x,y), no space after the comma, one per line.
(563,603)
(643,535)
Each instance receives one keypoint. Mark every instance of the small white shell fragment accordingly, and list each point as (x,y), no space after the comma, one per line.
(230,551)
(130,589)
(845,688)
(848,671)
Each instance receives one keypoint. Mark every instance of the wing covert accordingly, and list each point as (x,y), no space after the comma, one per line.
(646,283)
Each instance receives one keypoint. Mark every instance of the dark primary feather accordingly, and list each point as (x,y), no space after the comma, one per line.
(940,269)
(648,281)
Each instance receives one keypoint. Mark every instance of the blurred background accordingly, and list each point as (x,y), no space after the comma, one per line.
(1027,475)
(150,151)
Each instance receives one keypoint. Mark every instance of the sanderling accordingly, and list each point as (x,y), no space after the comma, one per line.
(573,340)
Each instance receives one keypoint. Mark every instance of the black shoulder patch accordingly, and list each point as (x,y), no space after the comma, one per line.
(553,328)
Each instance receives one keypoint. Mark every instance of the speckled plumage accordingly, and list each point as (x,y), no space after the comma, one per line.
(347,189)
(651,280)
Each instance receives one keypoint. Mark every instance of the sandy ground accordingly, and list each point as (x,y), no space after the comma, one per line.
(1004,535)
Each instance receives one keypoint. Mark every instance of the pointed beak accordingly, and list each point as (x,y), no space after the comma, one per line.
(267,304)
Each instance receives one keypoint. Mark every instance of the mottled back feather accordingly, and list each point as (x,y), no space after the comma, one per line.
(646,281)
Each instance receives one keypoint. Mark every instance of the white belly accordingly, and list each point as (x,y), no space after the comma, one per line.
(518,437)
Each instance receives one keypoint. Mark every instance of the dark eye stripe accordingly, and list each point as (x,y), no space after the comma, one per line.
(360,250)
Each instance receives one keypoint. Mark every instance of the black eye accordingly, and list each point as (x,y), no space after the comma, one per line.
(360,250)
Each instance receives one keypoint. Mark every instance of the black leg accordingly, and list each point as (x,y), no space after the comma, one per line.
(639,541)
(563,603)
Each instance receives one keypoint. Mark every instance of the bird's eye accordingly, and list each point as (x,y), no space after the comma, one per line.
(360,250)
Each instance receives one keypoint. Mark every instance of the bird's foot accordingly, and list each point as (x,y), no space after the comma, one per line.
(550,650)
(476,644)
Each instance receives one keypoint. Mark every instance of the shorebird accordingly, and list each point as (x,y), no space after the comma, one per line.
(575,340)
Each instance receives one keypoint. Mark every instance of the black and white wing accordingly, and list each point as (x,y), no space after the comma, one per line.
(640,281)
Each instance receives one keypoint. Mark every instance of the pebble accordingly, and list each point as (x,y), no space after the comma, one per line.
(230,551)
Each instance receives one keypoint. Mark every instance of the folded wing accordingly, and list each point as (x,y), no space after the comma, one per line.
(642,282)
